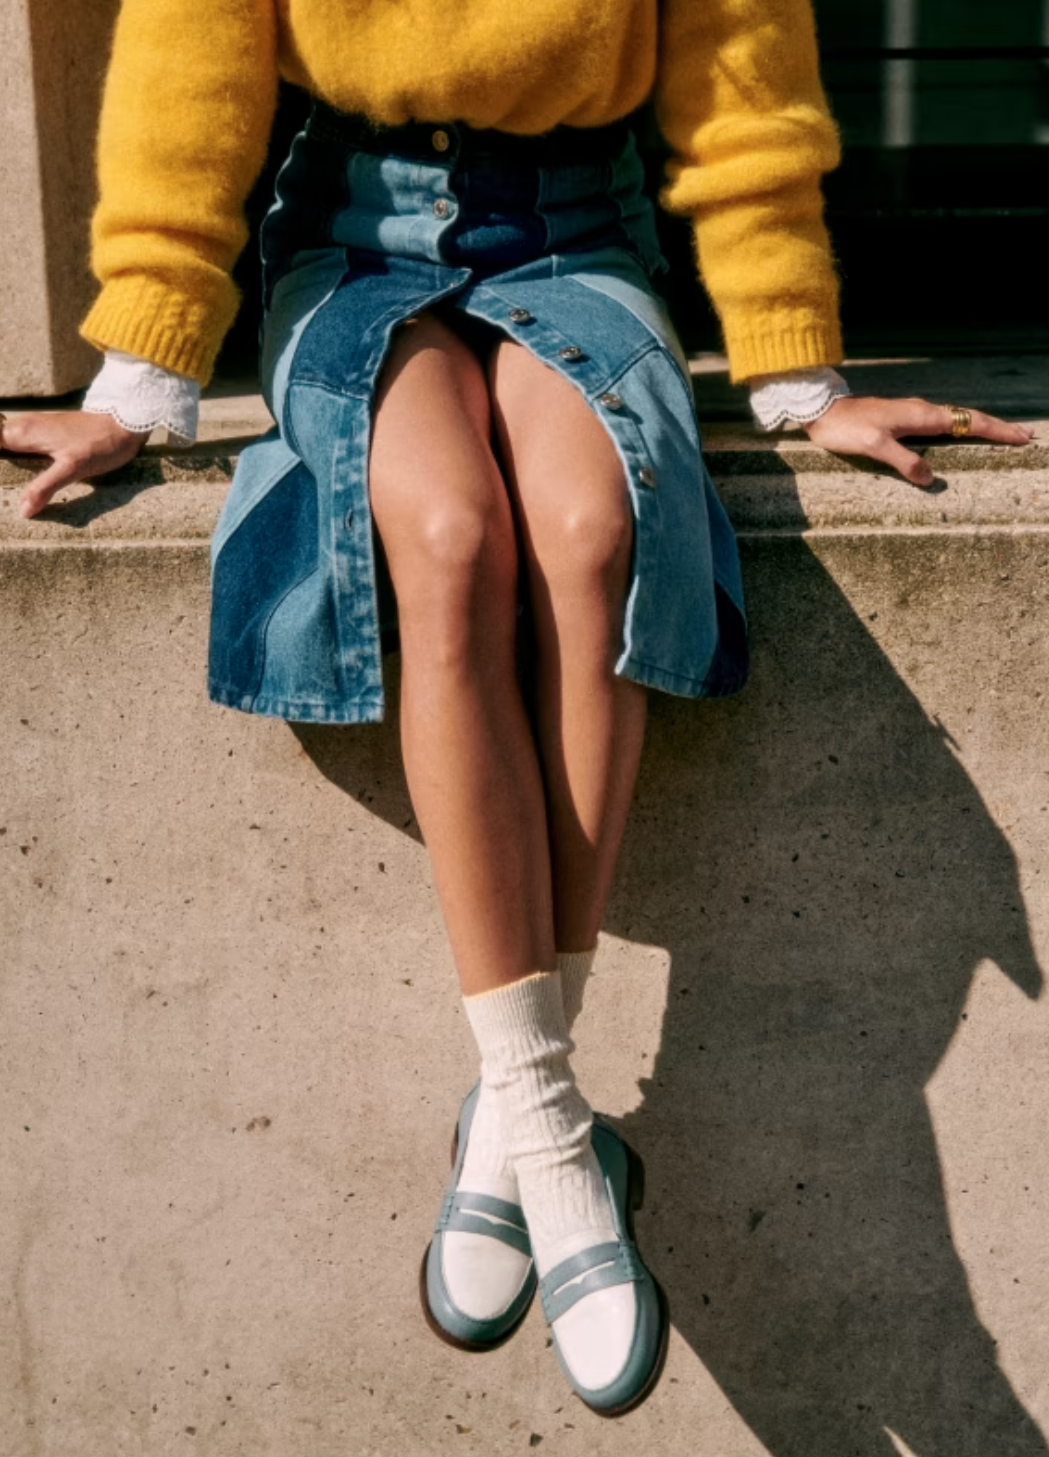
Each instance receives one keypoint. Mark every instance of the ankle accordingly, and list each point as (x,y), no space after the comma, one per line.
(518,1026)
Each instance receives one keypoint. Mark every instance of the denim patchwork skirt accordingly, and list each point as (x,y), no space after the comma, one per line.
(549,240)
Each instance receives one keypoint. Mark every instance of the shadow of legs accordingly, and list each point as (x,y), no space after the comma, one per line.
(826,878)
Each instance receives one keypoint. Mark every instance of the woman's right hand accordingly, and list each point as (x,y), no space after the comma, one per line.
(81,445)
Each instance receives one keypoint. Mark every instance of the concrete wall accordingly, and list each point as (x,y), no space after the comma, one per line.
(52,62)
(232,1051)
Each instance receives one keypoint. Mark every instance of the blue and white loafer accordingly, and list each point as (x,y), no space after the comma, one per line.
(611,1347)
(478,1276)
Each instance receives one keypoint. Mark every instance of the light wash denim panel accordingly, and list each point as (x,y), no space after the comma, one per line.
(549,240)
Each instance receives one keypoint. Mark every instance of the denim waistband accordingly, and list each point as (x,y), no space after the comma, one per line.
(483,200)
(456,142)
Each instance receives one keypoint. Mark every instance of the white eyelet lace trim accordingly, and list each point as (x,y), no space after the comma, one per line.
(142,396)
(800,396)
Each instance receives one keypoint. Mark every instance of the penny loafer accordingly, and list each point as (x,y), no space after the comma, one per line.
(612,1351)
(478,1276)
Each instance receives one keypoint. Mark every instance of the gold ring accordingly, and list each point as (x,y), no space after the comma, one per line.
(961,420)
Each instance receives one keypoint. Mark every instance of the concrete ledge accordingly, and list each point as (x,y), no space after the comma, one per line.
(767,483)
(777,482)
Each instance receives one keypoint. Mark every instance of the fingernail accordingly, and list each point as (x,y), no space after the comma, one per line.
(24,509)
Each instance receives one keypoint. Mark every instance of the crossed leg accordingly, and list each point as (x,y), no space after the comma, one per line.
(445,519)
(523,827)
(523,830)
(576,529)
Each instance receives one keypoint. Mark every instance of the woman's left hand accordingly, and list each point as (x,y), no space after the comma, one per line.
(867,425)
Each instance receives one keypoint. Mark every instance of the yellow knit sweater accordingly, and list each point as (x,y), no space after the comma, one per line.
(192,87)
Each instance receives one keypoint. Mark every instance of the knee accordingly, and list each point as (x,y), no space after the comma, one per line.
(456,583)
(588,545)
(463,546)
(462,551)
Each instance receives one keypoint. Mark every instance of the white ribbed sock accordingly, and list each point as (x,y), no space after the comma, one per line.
(543,1119)
(487,1168)
(575,968)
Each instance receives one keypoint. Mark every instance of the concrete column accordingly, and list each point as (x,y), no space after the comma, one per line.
(52,65)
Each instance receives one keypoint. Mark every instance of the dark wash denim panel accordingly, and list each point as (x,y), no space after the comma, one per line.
(555,253)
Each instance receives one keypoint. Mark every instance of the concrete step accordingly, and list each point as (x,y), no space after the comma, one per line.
(768,482)
(779,482)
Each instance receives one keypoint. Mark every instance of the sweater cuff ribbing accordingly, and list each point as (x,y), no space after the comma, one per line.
(780,348)
(151,319)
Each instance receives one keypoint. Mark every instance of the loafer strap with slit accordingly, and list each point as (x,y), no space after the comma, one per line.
(483,1214)
(592,1269)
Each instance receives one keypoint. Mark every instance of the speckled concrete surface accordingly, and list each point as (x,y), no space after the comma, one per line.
(231,1050)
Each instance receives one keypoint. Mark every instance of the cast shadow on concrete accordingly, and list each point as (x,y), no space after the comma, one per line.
(826,879)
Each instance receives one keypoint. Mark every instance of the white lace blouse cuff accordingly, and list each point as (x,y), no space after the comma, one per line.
(800,396)
(142,396)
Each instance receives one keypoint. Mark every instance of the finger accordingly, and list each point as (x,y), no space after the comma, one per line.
(909,465)
(920,417)
(61,473)
(989,427)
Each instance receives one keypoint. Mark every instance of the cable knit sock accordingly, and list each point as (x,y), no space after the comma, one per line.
(575,968)
(487,1168)
(483,1274)
(525,1046)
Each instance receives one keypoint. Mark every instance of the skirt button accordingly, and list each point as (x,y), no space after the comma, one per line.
(647,477)
(519,316)
(571,352)
(441,208)
(610,402)
(441,141)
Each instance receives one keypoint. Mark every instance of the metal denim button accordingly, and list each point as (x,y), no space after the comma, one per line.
(647,477)
(519,316)
(441,141)
(571,352)
(610,402)
(441,208)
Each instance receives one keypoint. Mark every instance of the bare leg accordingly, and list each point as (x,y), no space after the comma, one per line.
(576,533)
(442,510)
(576,528)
